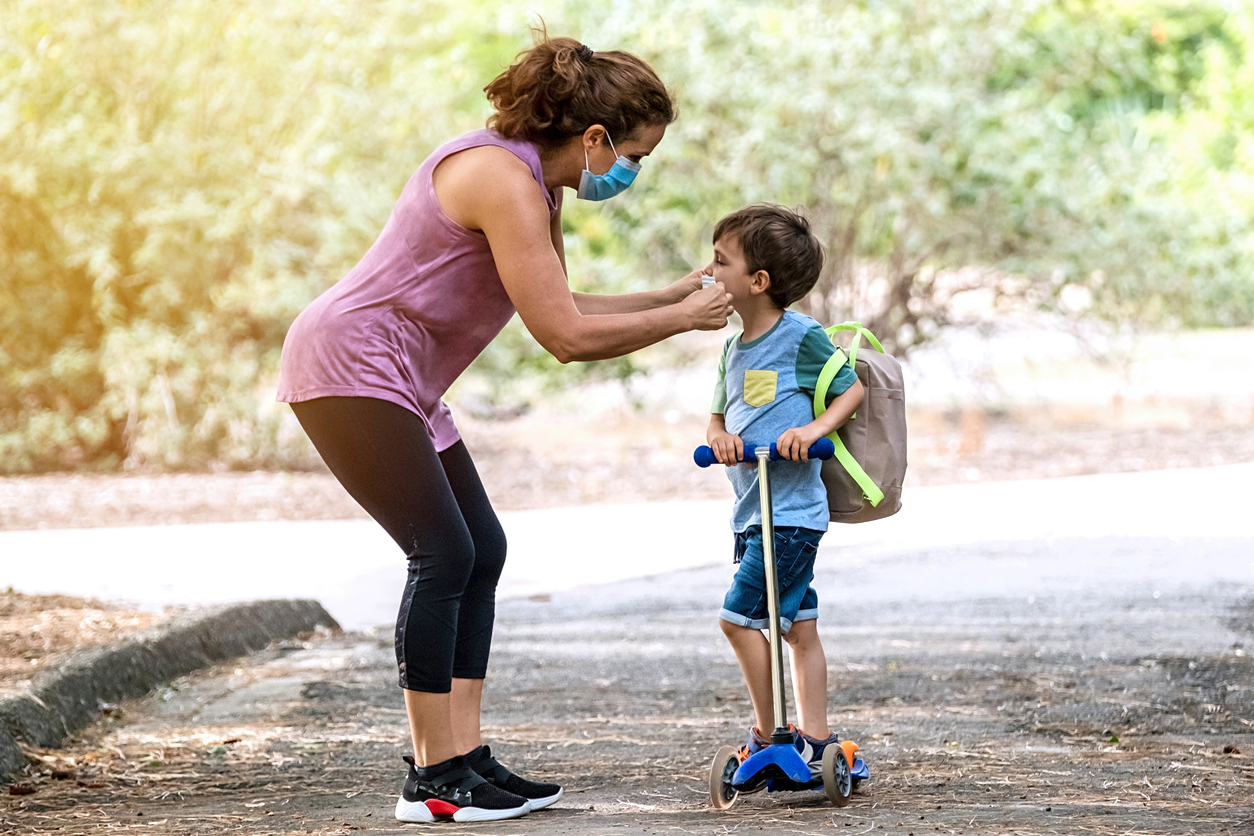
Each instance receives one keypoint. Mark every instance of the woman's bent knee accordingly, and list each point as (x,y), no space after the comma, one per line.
(489,557)
(444,572)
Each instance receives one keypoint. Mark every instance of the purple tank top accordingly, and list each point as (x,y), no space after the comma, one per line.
(415,311)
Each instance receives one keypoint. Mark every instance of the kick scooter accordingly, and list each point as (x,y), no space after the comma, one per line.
(779,766)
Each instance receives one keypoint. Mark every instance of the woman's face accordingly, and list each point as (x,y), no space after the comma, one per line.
(634,147)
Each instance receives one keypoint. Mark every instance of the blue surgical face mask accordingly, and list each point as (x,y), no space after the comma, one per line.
(603,186)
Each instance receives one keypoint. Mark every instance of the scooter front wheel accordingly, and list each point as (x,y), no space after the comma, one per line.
(726,762)
(837,777)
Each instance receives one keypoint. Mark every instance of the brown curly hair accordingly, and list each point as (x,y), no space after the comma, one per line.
(559,87)
(780,242)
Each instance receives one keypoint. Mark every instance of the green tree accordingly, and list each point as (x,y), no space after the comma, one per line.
(941,147)
(176,184)
(178,181)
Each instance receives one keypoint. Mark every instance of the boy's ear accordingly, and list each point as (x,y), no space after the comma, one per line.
(760,281)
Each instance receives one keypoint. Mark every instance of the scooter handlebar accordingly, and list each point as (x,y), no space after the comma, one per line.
(821,449)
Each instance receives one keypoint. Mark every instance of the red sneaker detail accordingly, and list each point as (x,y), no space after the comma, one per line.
(440,808)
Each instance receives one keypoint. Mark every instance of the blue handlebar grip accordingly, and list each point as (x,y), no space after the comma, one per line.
(704,456)
(821,449)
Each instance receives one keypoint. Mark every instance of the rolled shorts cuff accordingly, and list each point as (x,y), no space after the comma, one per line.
(764,623)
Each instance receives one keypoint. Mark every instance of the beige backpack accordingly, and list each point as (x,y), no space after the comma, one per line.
(863,479)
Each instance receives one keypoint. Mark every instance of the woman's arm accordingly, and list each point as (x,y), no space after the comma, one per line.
(515,218)
(595,303)
(555,233)
(592,303)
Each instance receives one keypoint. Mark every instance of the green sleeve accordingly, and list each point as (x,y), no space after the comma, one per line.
(812,355)
(719,404)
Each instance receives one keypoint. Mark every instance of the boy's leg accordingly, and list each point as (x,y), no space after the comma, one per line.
(753,652)
(745,611)
(742,619)
(809,678)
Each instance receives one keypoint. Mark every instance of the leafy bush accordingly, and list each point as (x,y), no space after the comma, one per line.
(176,184)
(178,181)
(1032,139)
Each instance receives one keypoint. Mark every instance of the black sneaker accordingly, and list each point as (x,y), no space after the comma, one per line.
(539,795)
(452,790)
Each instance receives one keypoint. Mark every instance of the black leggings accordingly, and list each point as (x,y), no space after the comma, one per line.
(436,509)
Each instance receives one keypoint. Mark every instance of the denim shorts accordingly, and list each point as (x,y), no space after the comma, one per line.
(795,548)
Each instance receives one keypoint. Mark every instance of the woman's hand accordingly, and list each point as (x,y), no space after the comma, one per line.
(795,443)
(685,287)
(708,307)
(518,225)
(648,300)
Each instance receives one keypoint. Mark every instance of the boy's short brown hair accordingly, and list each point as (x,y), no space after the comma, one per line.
(780,242)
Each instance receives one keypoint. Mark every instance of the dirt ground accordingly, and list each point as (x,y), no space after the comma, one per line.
(39,631)
(534,462)
(1097,711)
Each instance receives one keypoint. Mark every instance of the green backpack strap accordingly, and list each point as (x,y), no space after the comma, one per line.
(830,369)
(870,490)
(859,331)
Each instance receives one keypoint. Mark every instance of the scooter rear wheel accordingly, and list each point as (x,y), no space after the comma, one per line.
(837,776)
(726,762)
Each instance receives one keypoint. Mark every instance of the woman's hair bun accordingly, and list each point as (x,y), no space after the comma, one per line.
(560,87)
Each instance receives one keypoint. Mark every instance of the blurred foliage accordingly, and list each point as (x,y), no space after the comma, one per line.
(1028,149)
(178,181)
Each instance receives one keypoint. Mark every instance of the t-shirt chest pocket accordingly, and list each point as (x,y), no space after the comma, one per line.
(759,386)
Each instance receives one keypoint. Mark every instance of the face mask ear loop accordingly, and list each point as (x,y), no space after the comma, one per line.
(586,166)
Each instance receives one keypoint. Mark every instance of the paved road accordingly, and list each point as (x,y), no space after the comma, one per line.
(1053,657)
(357,572)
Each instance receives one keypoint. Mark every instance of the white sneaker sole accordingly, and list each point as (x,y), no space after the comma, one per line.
(417,811)
(541,803)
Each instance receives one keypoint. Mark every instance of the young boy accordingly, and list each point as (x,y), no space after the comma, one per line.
(767,258)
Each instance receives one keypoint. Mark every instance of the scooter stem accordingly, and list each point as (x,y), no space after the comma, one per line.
(780,734)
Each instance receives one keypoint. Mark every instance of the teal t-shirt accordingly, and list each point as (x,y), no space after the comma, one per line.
(764,388)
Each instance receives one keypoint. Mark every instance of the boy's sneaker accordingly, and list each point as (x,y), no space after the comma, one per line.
(756,743)
(452,790)
(816,747)
(537,794)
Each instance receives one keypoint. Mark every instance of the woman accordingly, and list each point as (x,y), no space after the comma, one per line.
(475,235)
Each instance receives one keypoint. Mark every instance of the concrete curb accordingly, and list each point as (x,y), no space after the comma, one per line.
(67,699)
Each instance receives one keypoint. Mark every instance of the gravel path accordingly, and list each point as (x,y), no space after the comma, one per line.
(1078,706)
(994,690)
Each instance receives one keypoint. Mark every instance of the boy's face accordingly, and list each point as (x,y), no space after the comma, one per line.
(730,268)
